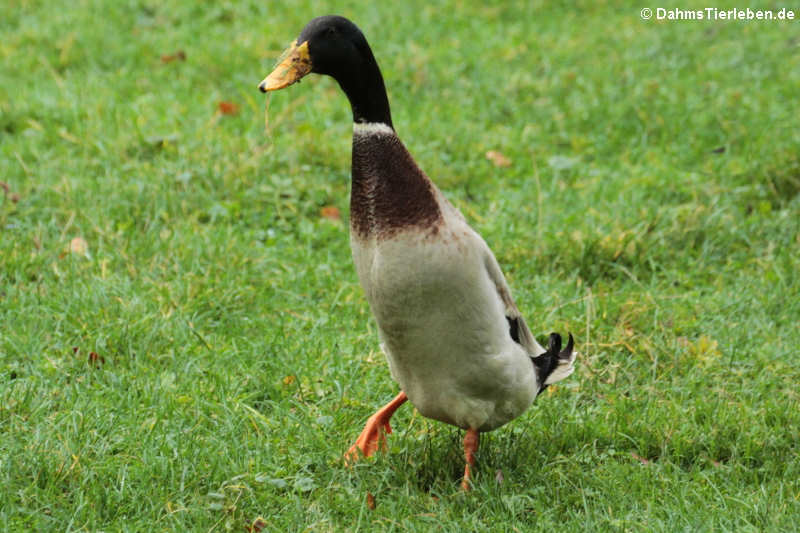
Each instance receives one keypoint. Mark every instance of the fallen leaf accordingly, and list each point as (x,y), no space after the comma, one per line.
(288,380)
(498,158)
(96,360)
(498,476)
(257,525)
(640,458)
(180,55)
(370,501)
(228,108)
(14,197)
(330,212)
(78,246)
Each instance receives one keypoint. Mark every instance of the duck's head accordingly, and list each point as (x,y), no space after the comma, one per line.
(334,46)
(329,45)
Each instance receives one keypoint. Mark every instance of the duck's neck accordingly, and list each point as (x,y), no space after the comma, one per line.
(389,192)
(367,94)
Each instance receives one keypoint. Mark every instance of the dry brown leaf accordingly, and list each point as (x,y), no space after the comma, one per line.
(79,246)
(96,360)
(14,197)
(498,159)
(257,525)
(640,458)
(331,212)
(370,501)
(180,55)
(228,108)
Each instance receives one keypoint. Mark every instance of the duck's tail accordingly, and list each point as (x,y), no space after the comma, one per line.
(555,364)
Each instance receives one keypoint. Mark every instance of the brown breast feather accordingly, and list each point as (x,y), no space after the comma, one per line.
(390,193)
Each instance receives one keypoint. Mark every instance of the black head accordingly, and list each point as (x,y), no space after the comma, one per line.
(334,46)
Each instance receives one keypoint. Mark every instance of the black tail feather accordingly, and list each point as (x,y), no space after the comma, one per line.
(548,361)
(566,353)
(554,345)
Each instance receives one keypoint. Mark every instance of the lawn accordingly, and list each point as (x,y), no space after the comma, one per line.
(184,344)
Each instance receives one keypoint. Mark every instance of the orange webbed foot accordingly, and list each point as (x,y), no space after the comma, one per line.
(373,436)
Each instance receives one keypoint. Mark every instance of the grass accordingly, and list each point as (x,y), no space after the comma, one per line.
(651,207)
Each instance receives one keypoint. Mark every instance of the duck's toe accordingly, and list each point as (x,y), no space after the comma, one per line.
(373,436)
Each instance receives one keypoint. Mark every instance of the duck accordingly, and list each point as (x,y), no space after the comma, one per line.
(454,339)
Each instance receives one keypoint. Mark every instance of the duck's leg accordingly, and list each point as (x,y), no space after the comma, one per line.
(374,434)
(470,447)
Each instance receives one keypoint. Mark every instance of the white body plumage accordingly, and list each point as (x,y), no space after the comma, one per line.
(438,298)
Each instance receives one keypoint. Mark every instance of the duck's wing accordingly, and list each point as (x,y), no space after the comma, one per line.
(553,364)
(516,323)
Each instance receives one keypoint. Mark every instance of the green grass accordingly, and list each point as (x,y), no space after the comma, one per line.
(651,208)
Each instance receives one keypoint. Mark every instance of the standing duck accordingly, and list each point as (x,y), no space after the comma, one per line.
(452,334)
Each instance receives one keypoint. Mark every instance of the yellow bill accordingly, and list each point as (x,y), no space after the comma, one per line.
(296,63)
